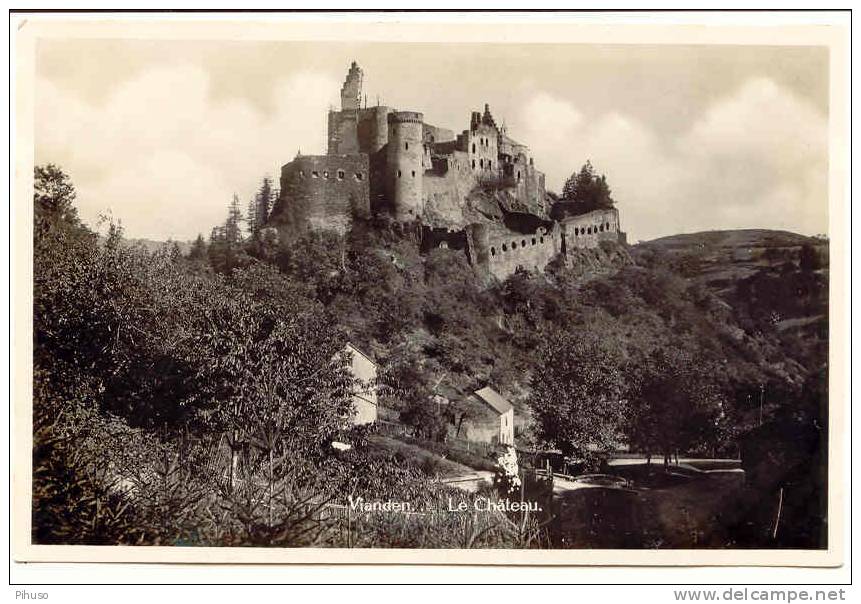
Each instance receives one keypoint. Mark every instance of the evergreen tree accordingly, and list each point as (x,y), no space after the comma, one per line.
(226,241)
(216,251)
(233,225)
(251,216)
(588,190)
(264,203)
(198,249)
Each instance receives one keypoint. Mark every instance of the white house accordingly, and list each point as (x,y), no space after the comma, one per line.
(501,413)
(364,369)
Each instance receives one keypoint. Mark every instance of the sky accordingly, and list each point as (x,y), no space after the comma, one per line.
(161,134)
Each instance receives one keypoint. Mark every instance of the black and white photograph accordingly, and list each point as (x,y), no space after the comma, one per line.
(360,292)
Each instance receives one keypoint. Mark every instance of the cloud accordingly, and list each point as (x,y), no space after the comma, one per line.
(164,157)
(755,158)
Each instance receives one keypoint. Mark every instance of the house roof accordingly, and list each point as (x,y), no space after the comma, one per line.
(494,399)
(353,348)
(448,392)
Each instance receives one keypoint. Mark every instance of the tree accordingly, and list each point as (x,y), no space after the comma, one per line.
(264,203)
(225,242)
(251,217)
(675,403)
(588,190)
(577,395)
(260,208)
(578,182)
(198,249)
(425,419)
(53,200)
(270,368)
(233,225)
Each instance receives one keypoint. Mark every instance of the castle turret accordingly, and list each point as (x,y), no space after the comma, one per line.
(404,163)
(351,91)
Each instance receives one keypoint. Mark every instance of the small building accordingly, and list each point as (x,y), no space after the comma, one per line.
(496,424)
(364,369)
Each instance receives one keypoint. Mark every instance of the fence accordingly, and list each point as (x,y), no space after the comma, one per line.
(390,428)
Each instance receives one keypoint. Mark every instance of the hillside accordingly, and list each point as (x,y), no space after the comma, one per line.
(433,324)
(721,258)
(762,275)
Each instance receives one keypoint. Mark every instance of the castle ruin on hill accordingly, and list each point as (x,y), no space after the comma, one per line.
(478,191)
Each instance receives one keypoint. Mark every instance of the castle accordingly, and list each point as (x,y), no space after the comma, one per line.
(478,191)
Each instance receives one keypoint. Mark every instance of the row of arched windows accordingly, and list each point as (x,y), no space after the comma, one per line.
(514,245)
(591,230)
(341,175)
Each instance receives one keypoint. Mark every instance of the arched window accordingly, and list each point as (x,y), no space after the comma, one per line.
(542,240)
(523,243)
(481,163)
(514,245)
(340,175)
(301,173)
(414,173)
(399,173)
(504,248)
(518,176)
(473,147)
(533,241)
(473,164)
(406,146)
(493,251)
(489,164)
(315,174)
(576,232)
(359,176)
(326,174)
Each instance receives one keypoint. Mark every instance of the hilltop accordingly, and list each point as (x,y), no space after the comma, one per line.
(721,258)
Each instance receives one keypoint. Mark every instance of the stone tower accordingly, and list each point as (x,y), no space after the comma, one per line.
(404,163)
(351,91)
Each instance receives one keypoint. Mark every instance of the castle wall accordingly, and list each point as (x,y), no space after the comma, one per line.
(441,237)
(351,91)
(481,144)
(343,132)
(588,230)
(433,134)
(323,192)
(502,253)
(405,159)
(528,185)
(373,128)
(446,187)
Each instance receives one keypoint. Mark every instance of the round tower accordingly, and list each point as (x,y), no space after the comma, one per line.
(404,163)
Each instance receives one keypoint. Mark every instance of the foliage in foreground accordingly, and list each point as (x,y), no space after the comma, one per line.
(175,405)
